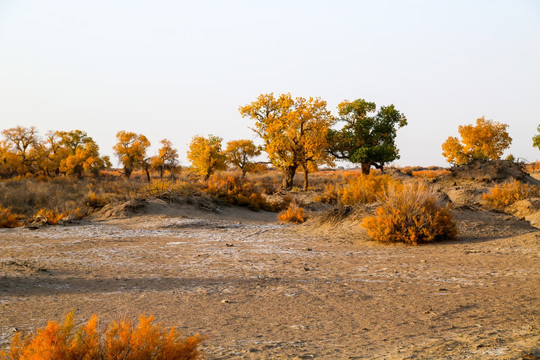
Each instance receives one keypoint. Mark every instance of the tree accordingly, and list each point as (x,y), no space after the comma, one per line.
(205,155)
(23,140)
(240,154)
(79,153)
(367,138)
(167,159)
(536,139)
(293,130)
(485,141)
(131,150)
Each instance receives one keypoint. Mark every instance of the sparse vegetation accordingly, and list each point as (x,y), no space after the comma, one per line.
(294,214)
(410,214)
(121,340)
(508,193)
(356,189)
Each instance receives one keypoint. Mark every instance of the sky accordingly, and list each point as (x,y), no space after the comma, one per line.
(175,69)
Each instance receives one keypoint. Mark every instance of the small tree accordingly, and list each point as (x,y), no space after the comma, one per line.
(131,150)
(294,131)
(205,155)
(536,138)
(80,153)
(485,141)
(167,159)
(240,154)
(23,140)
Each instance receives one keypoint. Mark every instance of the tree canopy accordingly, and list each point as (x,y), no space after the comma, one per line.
(240,154)
(131,150)
(486,140)
(205,155)
(293,130)
(366,138)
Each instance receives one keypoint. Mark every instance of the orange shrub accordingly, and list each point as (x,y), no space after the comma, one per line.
(430,174)
(8,219)
(508,193)
(52,216)
(294,214)
(356,189)
(410,214)
(121,340)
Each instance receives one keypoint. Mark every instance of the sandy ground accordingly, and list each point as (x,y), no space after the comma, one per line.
(261,290)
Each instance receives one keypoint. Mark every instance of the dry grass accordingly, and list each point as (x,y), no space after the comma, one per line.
(121,340)
(508,193)
(355,189)
(430,174)
(293,214)
(411,214)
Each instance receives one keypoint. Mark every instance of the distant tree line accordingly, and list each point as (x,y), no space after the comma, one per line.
(298,134)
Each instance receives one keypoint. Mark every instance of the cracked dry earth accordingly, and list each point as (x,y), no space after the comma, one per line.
(260,290)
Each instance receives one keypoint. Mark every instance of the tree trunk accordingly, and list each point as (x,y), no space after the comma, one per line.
(147,173)
(365,168)
(127,172)
(288,177)
(306,178)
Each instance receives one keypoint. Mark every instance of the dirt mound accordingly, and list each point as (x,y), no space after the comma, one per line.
(135,207)
(490,171)
(528,209)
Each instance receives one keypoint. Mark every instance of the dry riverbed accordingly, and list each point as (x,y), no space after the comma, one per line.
(261,290)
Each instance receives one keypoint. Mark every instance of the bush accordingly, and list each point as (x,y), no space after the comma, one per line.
(410,214)
(53,217)
(356,189)
(121,340)
(8,219)
(294,214)
(501,196)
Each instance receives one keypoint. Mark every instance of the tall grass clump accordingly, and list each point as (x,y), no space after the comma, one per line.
(121,340)
(356,189)
(235,190)
(508,193)
(410,214)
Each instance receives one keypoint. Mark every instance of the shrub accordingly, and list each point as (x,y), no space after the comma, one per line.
(8,219)
(356,189)
(410,214)
(52,216)
(430,174)
(508,193)
(294,214)
(121,340)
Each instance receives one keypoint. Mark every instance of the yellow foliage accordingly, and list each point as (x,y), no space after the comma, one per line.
(131,150)
(122,340)
(8,219)
(293,213)
(205,155)
(485,141)
(356,189)
(52,216)
(293,130)
(240,152)
(235,190)
(500,197)
(410,214)
(430,174)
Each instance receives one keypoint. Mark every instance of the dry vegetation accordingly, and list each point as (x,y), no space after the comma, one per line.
(121,340)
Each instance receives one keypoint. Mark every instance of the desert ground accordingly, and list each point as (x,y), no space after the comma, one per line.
(258,289)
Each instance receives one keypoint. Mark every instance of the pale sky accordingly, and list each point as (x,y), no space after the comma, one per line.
(175,69)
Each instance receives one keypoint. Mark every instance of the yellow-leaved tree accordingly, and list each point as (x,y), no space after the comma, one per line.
(167,159)
(22,141)
(294,132)
(240,153)
(131,150)
(486,140)
(80,153)
(205,155)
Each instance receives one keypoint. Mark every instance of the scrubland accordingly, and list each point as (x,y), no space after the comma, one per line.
(409,263)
